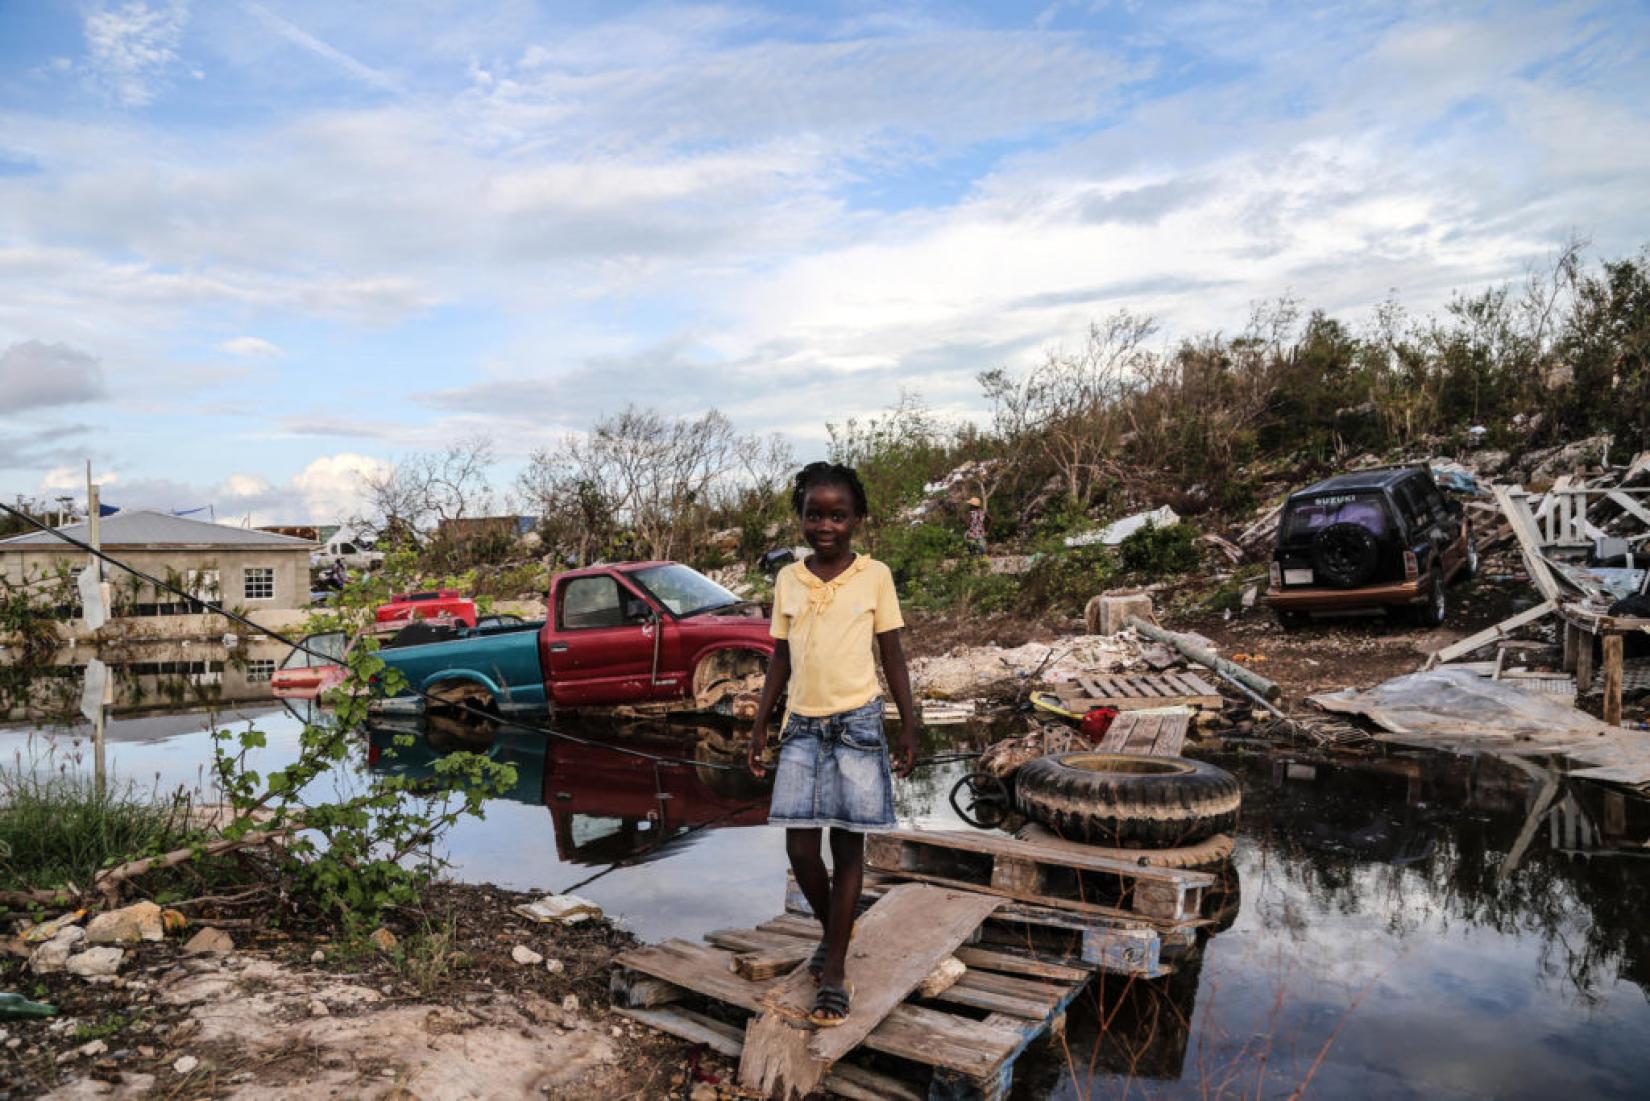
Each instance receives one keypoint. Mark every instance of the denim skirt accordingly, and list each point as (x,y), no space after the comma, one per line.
(833,771)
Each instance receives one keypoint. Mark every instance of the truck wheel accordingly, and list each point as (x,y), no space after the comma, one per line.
(1293,621)
(1345,555)
(1128,801)
(1469,569)
(1432,613)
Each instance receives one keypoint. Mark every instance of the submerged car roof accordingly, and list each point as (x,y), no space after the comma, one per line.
(1380,478)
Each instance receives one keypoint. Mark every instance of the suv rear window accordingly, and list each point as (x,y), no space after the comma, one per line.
(1307,518)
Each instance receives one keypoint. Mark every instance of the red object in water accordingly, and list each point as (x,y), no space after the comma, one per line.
(447,604)
(1097,722)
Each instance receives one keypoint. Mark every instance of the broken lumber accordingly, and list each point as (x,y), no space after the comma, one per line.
(1492,634)
(1192,652)
(902,938)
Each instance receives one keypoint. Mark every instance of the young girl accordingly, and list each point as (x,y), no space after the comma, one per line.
(833,760)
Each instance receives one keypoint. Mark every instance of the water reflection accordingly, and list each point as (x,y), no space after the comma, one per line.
(610,799)
(144,677)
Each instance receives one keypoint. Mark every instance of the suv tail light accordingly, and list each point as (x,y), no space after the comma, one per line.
(1277,576)
(1412,566)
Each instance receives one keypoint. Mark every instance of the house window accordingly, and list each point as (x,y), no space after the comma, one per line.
(260,670)
(202,585)
(260,583)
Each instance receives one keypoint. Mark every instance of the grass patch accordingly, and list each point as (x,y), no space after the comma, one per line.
(57,828)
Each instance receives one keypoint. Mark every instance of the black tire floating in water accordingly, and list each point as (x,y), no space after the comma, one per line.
(1345,555)
(1126,800)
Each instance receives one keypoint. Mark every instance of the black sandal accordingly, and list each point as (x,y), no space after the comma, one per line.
(831,1005)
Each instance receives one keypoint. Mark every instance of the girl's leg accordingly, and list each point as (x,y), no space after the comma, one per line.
(802,847)
(848,875)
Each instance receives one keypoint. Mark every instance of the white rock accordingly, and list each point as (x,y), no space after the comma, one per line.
(127,925)
(53,954)
(96,963)
(185,1064)
(525,955)
(318,1008)
(209,941)
(317,956)
(570,1004)
(555,967)
(84,1051)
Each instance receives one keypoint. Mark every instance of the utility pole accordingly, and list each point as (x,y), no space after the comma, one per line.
(96,672)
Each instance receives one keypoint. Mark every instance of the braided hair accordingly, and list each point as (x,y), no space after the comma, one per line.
(829,474)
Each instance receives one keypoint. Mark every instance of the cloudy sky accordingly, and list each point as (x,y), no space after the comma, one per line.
(249,248)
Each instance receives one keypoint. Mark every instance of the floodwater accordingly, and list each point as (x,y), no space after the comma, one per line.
(1385,946)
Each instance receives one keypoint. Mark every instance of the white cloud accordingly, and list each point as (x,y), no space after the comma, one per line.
(251,347)
(330,488)
(131,46)
(34,375)
(313,45)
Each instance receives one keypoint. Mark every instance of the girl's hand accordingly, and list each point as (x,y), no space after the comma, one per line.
(753,755)
(905,753)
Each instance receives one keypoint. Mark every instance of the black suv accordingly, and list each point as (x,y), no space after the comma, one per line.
(1384,538)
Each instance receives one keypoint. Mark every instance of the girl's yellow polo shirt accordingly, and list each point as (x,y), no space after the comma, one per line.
(830,626)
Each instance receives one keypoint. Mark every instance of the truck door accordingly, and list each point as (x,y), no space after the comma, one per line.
(601,651)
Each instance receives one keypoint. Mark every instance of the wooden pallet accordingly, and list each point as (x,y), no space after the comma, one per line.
(1150,690)
(1041,874)
(961,1046)
(1095,942)
(1147,734)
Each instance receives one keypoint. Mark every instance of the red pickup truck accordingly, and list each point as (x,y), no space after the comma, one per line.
(652,635)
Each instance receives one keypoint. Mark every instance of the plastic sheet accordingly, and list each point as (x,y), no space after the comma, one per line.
(1451,702)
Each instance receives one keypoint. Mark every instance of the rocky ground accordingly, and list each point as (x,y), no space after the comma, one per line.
(481,1003)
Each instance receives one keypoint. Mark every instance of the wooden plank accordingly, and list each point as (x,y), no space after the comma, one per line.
(1171,739)
(1518,516)
(909,1032)
(1091,686)
(1123,943)
(1143,686)
(902,937)
(1584,666)
(855,1083)
(1118,733)
(1139,703)
(1612,679)
(1491,634)
(806,929)
(1629,506)
(1144,736)
(1031,850)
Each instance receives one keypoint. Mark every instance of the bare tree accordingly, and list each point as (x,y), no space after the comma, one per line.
(1066,409)
(654,479)
(417,493)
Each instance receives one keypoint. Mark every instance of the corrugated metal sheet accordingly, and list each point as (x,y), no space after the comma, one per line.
(157,529)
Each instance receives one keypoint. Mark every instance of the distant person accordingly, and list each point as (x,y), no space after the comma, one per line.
(977,521)
(340,574)
(833,756)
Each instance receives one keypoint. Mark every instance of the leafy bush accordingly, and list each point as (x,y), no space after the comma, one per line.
(1155,552)
(1064,582)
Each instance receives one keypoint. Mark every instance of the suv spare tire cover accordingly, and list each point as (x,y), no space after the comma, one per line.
(1128,800)
(1345,555)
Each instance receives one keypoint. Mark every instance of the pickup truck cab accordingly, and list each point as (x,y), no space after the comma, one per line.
(1385,538)
(657,635)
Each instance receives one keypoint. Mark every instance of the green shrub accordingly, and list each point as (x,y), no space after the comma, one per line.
(1065,581)
(1155,552)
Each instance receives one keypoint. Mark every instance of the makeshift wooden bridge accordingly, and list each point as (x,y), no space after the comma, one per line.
(1025,925)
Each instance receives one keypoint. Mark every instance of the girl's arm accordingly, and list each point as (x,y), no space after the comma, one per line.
(899,683)
(779,675)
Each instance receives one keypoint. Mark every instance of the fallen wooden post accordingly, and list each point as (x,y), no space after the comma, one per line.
(901,939)
(1192,652)
(1492,634)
